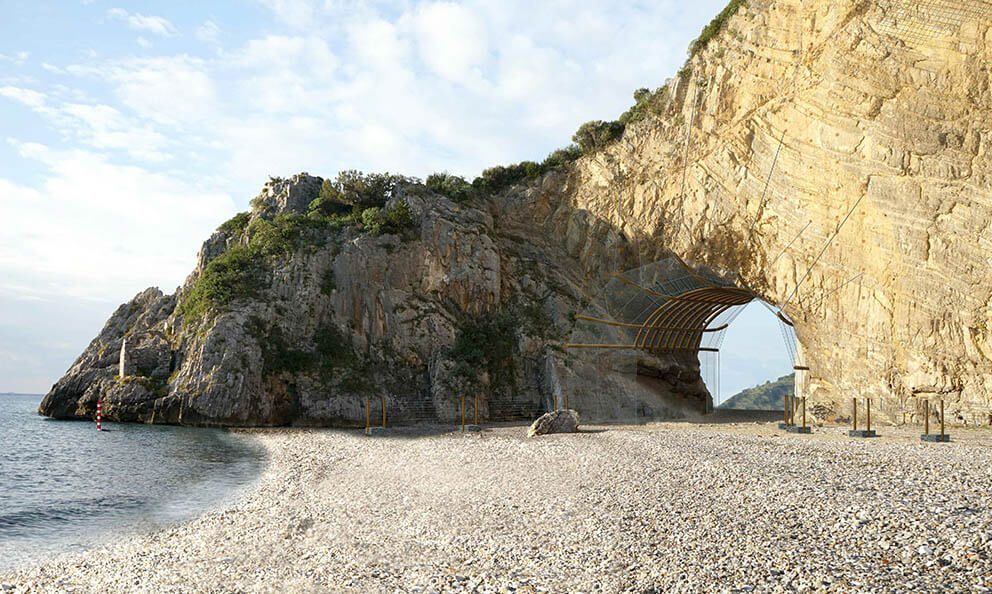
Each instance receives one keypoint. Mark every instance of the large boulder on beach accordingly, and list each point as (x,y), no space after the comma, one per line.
(558,421)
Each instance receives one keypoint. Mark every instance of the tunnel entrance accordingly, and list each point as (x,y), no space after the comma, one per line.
(677,318)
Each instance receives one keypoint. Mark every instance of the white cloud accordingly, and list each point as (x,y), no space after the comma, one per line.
(308,54)
(153,24)
(95,229)
(144,42)
(296,13)
(452,40)
(96,125)
(28,97)
(168,90)
(208,32)
(103,127)
(378,44)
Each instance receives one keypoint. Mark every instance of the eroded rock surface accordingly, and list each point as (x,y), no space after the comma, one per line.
(345,319)
(879,122)
(874,232)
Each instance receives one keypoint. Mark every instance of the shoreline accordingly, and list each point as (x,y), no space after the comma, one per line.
(623,508)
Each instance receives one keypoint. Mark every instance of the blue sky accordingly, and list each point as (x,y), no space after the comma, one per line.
(128,132)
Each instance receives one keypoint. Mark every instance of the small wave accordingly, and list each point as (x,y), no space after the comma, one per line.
(59,512)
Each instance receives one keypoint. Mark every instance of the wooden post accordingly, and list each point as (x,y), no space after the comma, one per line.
(367,418)
(868,405)
(476,409)
(854,402)
(463,414)
(804,412)
(926,417)
(788,409)
(384,411)
(941,419)
(785,408)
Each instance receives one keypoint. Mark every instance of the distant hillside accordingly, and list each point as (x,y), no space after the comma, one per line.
(767,396)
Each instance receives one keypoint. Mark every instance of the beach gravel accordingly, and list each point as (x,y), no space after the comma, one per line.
(657,508)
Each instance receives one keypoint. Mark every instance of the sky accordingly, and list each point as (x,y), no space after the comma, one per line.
(128,132)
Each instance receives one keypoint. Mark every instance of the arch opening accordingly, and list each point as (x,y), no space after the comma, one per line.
(671,321)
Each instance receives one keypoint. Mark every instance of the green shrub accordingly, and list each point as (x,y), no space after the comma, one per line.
(372,220)
(396,219)
(452,186)
(487,343)
(646,103)
(366,190)
(241,271)
(500,177)
(236,274)
(277,356)
(330,201)
(597,134)
(399,218)
(328,283)
(715,26)
(333,349)
(236,224)
(561,157)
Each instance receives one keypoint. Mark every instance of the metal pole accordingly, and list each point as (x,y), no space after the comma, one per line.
(854,401)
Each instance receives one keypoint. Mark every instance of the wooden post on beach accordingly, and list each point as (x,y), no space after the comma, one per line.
(383,411)
(367,418)
(463,414)
(804,412)
(476,408)
(868,412)
(926,417)
(942,419)
(854,403)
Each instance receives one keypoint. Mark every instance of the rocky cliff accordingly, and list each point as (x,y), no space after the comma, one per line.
(832,158)
(302,313)
(880,111)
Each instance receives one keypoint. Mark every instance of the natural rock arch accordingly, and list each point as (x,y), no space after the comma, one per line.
(804,115)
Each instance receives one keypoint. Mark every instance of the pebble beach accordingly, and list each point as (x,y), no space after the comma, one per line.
(666,507)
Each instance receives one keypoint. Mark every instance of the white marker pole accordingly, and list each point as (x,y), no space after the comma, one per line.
(99,427)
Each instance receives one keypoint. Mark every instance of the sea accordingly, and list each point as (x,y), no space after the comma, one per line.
(65,487)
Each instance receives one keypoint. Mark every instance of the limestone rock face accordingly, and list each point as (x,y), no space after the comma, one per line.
(879,124)
(339,320)
(556,421)
(827,156)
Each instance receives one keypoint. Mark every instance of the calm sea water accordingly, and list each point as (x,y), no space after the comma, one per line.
(64,486)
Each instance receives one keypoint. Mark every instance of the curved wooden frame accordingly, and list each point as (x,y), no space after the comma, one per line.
(678,324)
